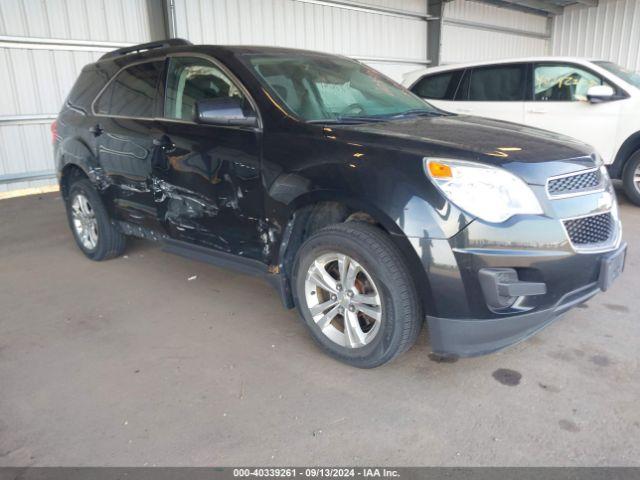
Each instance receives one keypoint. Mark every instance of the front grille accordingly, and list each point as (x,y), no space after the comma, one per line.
(596,229)
(571,184)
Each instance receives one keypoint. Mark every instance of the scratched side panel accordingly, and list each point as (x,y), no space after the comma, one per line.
(209,191)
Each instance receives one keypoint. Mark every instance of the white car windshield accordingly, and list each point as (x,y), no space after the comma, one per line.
(628,76)
(320,88)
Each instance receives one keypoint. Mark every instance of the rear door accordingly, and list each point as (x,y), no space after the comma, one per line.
(124,136)
(559,103)
(495,91)
(209,190)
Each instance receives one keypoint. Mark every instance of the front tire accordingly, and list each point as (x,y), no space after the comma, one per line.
(631,178)
(98,238)
(356,295)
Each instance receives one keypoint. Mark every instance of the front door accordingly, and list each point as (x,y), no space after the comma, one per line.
(560,105)
(124,137)
(208,187)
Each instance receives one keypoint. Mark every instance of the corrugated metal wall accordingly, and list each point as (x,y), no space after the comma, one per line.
(610,31)
(43,46)
(478,31)
(392,43)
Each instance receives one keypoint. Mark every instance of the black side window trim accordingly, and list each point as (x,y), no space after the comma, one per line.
(161,87)
(462,92)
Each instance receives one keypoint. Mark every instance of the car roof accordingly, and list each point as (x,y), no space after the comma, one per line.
(455,66)
(213,50)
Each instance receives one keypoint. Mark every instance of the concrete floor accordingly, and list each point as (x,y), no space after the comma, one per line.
(129,363)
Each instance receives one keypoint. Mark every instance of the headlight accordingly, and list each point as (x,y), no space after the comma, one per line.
(489,193)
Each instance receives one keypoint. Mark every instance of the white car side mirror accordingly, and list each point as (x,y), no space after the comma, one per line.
(600,93)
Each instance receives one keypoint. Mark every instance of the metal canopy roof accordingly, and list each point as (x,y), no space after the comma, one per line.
(542,7)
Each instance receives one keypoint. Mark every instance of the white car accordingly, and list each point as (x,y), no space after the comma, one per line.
(597,102)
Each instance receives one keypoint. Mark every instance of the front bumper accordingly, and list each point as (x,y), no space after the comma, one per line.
(468,338)
(462,322)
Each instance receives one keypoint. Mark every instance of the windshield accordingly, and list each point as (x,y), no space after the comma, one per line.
(627,75)
(321,88)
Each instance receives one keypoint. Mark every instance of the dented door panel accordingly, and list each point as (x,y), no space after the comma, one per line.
(125,152)
(207,188)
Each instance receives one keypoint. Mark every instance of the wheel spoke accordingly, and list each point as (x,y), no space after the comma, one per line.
(344,263)
(366,298)
(370,311)
(354,335)
(75,208)
(322,307)
(350,277)
(327,318)
(85,237)
(84,204)
(93,235)
(322,279)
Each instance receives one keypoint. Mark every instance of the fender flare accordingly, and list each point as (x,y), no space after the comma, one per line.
(353,203)
(304,201)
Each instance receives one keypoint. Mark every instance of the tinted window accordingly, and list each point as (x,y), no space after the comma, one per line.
(562,83)
(87,86)
(503,83)
(437,87)
(132,92)
(192,79)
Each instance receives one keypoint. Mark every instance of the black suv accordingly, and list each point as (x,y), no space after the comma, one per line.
(368,209)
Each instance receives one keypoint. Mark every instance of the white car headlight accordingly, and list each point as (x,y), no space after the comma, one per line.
(489,193)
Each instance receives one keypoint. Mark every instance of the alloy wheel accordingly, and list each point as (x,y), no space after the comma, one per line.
(343,300)
(84,221)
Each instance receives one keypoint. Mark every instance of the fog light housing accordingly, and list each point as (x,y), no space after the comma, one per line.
(501,287)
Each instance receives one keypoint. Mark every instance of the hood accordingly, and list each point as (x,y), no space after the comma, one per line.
(531,153)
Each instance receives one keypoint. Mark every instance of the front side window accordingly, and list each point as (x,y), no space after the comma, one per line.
(320,88)
(191,79)
(132,93)
(501,83)
(562,83)
(437,87)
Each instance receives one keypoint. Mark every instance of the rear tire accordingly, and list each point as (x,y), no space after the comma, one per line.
(94,232)
(631,178)
(365,311)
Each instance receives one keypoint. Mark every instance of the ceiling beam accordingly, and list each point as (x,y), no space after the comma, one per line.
(540,5)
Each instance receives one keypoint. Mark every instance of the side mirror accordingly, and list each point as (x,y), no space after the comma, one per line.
(224,111)
(600,93)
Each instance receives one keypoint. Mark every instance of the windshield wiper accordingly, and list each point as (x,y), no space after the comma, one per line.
(417,112)
(349,120)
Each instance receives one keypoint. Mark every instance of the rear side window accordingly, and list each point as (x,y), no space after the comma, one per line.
(438,87)
(132,93)
(501,83)
(87,86)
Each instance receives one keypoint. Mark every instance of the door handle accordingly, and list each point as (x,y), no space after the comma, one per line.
(537,111)
(96,130)
(164,142)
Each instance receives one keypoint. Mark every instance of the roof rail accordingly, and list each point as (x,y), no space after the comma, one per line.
(143,47)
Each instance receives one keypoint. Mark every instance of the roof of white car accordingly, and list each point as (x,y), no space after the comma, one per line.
(414,75)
